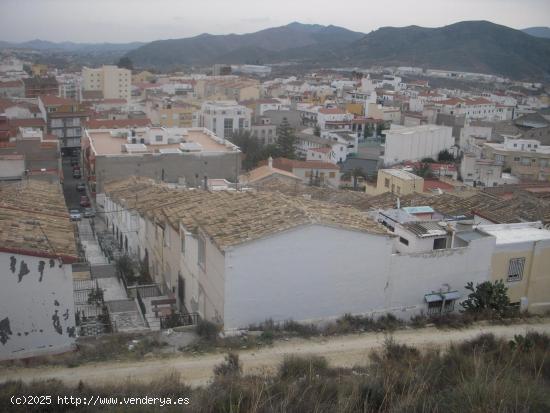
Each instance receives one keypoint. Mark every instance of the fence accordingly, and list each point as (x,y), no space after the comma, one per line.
(179,320)
(145,291)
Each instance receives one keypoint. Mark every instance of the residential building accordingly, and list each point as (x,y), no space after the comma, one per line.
(480,172)
(38,86)
(396,181)
(175,155)
(170,114)
(333,118)
(416,142)
(30,155)
(64,119)
(264,131)
(526,158)
(227,88)
(263,174)
(471,108)
(242,268)
(310,172)
(112,81)
(224,118)
(12,89)
(37,248)
(522,261)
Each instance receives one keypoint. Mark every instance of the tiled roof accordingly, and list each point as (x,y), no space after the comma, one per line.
(264,171)
(51,100)
(34,221)
(232,218)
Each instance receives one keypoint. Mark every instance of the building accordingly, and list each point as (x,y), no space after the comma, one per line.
(333,118)
(264,174)
(224,118)
(471,108)
(264,131)
(227,88)
(175,155)
(38,86)
(30,155)
(310,172)
(114,82)
(415,143)
(64,119)
(12,89)
(522,261)
(242,257)
(37,248)
(480,172)
(396,181)
(526,158)
(170,114)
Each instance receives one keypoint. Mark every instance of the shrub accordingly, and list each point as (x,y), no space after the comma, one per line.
(487,296)
(230,367)
(300,367)
(207,330)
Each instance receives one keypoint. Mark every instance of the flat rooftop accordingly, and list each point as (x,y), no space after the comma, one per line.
(516,233)
(415,129)
(105,143)
(401,174)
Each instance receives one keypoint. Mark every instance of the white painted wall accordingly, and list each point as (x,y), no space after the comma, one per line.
(32,303)
(309,272)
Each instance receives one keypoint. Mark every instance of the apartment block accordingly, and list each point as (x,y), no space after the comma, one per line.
(113,82)
(224,117)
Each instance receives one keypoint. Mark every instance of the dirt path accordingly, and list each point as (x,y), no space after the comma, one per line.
(344,351)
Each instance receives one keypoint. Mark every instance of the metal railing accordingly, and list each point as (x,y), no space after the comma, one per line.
(179,320)
(145,291)
(141,303)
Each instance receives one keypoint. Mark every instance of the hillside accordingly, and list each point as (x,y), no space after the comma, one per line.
(543,32)
(475,46)
(72,47)
(267,45)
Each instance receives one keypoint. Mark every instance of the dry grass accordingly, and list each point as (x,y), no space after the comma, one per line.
(485,374)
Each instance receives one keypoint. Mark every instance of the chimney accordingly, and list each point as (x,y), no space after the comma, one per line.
(270,162)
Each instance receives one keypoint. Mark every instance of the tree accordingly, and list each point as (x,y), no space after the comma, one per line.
(367,131)
(286,140)
(445,156)
(125,63)
(487,297)
(380,127)
(252,151)
(423,170)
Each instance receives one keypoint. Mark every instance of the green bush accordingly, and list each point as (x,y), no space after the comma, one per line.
(207,330)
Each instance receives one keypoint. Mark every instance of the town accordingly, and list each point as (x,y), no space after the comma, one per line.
(141,200)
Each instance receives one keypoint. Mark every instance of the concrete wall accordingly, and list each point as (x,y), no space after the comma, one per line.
(36,306)
(412,276)
(310,272)
(175,166)
(12,168)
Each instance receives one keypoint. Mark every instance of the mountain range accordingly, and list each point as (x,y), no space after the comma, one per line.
(475,46)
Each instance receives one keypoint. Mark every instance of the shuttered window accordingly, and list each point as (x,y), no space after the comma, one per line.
(515,269)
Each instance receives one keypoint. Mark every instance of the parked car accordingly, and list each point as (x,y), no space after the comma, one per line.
(76,168)
(84,201)
(75,215)
(74,161)
(81,187)
(89,213)
(76,174)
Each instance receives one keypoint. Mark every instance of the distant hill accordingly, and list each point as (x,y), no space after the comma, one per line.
(538,32)
(71,47)
(263,46)
(475,46)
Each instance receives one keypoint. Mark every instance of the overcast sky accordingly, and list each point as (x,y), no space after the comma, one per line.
(146,20)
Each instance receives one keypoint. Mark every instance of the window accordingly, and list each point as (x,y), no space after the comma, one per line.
(332,174)
(182,245)
(440,243)
(403,241)
(515,269)
(202,253)
(158,138)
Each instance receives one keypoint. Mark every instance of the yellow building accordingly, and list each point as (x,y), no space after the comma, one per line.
(355,108)
(142,77)
(396,181)
(171,114)
(522,260)
(39,69)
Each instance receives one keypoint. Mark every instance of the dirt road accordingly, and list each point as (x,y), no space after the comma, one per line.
(344,351)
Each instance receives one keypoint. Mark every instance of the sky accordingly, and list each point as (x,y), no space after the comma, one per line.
(119,21)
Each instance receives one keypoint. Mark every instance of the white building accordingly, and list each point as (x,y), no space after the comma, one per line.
(265,262)
(480,172)
(112,81)
(416,142)
(37,247)
(224,117)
